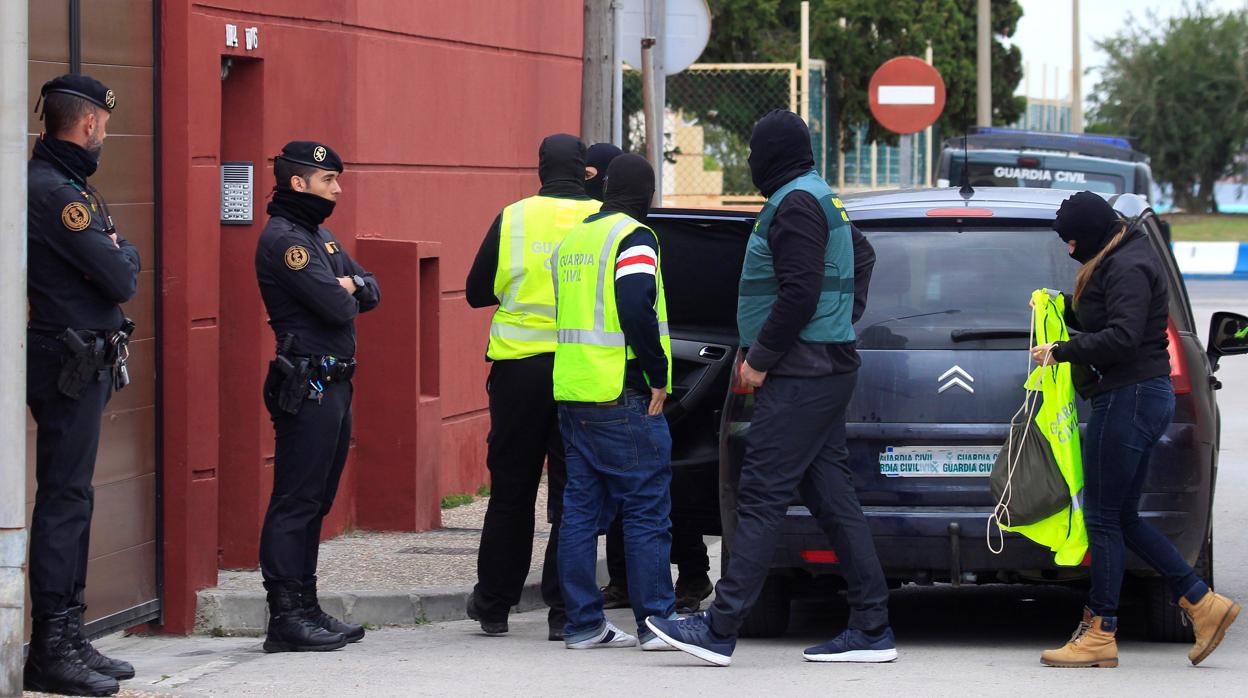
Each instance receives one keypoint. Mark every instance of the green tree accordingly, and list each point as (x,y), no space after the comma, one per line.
(767,31)
(1181,88)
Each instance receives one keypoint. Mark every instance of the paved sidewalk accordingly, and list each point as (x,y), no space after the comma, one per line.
(381,578)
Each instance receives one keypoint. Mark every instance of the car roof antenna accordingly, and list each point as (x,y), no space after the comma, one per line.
(965,190)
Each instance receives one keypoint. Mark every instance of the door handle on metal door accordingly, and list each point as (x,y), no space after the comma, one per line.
(712,353)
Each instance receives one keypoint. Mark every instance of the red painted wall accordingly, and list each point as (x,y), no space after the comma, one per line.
(437,107)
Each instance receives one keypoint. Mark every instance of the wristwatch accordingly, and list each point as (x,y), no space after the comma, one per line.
(358,281)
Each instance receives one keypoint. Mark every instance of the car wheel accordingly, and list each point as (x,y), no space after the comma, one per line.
(770,615)
(1166,621)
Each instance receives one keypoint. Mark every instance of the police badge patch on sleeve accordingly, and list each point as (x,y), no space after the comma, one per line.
(296,257)
(75,216)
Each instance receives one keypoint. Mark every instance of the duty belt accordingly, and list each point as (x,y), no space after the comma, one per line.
(328,369)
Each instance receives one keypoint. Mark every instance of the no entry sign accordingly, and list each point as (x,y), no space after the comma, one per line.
(906,95)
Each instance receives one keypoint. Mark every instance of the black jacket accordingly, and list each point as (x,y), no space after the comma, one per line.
(1122,319)
(77,276)
(298,271)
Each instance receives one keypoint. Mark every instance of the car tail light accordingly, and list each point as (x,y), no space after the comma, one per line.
(737,386)
(959,213)
(826,557)
(1179,376)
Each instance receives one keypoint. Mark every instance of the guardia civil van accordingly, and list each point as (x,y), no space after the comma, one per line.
(1003,157)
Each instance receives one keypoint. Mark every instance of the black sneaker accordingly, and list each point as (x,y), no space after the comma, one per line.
(691,593)
(855,646)
(615,596)
(489,627)
(694,635)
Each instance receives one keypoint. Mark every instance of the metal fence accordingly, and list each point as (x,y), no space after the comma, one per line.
(867,166)
(711,110)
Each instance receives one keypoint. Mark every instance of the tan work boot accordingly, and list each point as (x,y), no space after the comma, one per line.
(1092,645)
(1210,617)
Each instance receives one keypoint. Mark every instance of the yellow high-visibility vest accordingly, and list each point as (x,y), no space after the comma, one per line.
(530,230)
(592,353)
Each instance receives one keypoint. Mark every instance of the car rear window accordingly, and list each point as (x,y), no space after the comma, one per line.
(1049,175)
(945,289)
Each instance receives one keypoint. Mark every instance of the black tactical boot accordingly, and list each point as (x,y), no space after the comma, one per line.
(53,665)
(89,655)
(291,631)
(312,611)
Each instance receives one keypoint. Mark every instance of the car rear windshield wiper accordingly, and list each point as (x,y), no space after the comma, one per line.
(969,335)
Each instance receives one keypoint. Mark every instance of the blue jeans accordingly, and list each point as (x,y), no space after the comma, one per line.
(619,458)
(1125,425)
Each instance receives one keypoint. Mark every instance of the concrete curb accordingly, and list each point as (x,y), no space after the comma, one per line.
(1212,260)
(245,613)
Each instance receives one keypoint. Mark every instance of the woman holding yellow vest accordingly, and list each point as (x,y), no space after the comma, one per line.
(1121,306)
(612,367)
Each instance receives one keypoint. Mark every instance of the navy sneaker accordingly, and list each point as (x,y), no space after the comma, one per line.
(855,646)
(694,635)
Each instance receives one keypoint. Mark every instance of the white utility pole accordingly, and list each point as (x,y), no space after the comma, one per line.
(983,64)
(927,136)
(14,51)
(654,83)
(1076,74)
(805,62)
(598,72)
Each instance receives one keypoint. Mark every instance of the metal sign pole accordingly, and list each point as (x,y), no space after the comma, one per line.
(905,179)
(13,115)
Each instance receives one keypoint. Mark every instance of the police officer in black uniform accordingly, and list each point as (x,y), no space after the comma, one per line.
(81,269)
(312,290)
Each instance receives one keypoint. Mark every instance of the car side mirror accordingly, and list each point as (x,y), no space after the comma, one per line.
(1228,336)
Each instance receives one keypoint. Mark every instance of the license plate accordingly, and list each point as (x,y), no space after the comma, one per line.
(938,461)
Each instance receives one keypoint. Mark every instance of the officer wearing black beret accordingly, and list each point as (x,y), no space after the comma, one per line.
(80,270)
(312,290)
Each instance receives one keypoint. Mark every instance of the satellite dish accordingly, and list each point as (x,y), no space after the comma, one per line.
(688,29)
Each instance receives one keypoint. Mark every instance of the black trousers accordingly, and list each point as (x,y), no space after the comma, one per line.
(797,442)
(688,553)
(524,436)
(65,448)
(311,452)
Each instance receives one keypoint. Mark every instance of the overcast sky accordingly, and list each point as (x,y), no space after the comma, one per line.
(1044,34)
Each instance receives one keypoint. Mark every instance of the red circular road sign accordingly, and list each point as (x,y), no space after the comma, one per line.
(906,94)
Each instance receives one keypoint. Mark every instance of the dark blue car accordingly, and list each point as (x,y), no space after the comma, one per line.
(943,344)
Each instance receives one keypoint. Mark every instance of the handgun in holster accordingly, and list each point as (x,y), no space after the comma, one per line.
(288,378)
(83,365)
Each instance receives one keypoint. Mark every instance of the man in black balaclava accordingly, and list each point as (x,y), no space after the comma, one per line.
(312,291)
(803,285)
(688,549)
(597,159)
(617,441)
(512,273)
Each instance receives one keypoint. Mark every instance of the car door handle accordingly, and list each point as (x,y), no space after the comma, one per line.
(712,353)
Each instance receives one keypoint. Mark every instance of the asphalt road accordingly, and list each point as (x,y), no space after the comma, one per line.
(969,641)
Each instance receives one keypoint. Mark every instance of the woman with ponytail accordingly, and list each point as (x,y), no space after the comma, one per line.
(1121,308)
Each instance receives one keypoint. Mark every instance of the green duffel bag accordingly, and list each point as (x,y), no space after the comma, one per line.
(1035,490)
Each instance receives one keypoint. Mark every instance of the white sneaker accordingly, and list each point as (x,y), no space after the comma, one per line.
(656,644)
(610,636)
